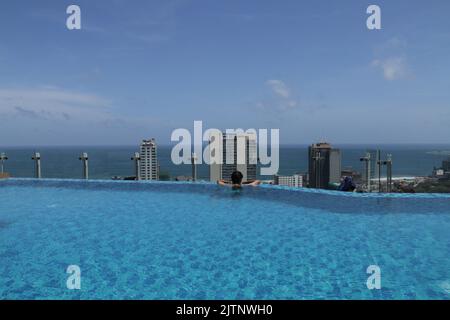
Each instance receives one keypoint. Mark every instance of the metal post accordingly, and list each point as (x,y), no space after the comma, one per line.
(367,160)
(137,165)
(194,166)
(388,164)
(379,169)
(37,159)
(389,173)
(379,163)
(369,173)
(3,158)
(84,157)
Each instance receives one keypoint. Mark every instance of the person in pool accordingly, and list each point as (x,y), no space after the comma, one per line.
(236,181)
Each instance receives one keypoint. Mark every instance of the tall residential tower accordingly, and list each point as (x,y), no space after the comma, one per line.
(149,160)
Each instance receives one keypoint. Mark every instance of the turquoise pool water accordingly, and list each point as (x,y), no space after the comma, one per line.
(199,241)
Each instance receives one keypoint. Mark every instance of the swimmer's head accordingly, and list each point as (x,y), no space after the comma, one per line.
(236,178)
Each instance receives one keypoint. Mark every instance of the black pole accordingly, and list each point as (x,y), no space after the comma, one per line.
(379,170)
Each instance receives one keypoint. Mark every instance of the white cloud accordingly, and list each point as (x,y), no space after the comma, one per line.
(279,88)
(284,99)
(51,95)
(391,59)
(51,103)
(393,68)
(48,115)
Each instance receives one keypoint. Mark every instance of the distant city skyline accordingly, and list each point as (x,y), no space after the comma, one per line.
(143,69)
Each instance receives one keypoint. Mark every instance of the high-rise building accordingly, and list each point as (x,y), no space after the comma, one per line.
(324,165)
(230,158)
(446,165)
(335,166)
(295,181)
(149,160)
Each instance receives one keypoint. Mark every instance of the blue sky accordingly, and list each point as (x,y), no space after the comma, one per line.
(141,69)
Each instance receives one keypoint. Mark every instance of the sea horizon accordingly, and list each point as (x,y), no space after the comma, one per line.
(108,161)
(337,145)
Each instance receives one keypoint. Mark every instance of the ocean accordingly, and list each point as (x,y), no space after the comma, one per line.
(108,161)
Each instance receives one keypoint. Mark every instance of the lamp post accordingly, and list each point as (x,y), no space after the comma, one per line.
(367,160)
(389,172)
(194,166)
(379,169)
(37,159)
(3,158)
(84,158)
(137,165)
(388,164)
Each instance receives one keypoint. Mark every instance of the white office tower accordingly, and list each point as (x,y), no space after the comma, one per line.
(149,160)
(246,162)
(295,181)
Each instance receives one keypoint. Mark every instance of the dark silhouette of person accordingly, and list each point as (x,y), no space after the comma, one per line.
(236,181)
(347,185)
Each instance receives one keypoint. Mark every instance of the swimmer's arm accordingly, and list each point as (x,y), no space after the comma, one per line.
(222,183)
(253,183)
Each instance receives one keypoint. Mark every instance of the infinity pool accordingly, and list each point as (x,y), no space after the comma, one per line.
(136,240)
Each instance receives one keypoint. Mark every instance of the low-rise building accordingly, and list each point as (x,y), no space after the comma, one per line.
(295,181)
(438,173)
